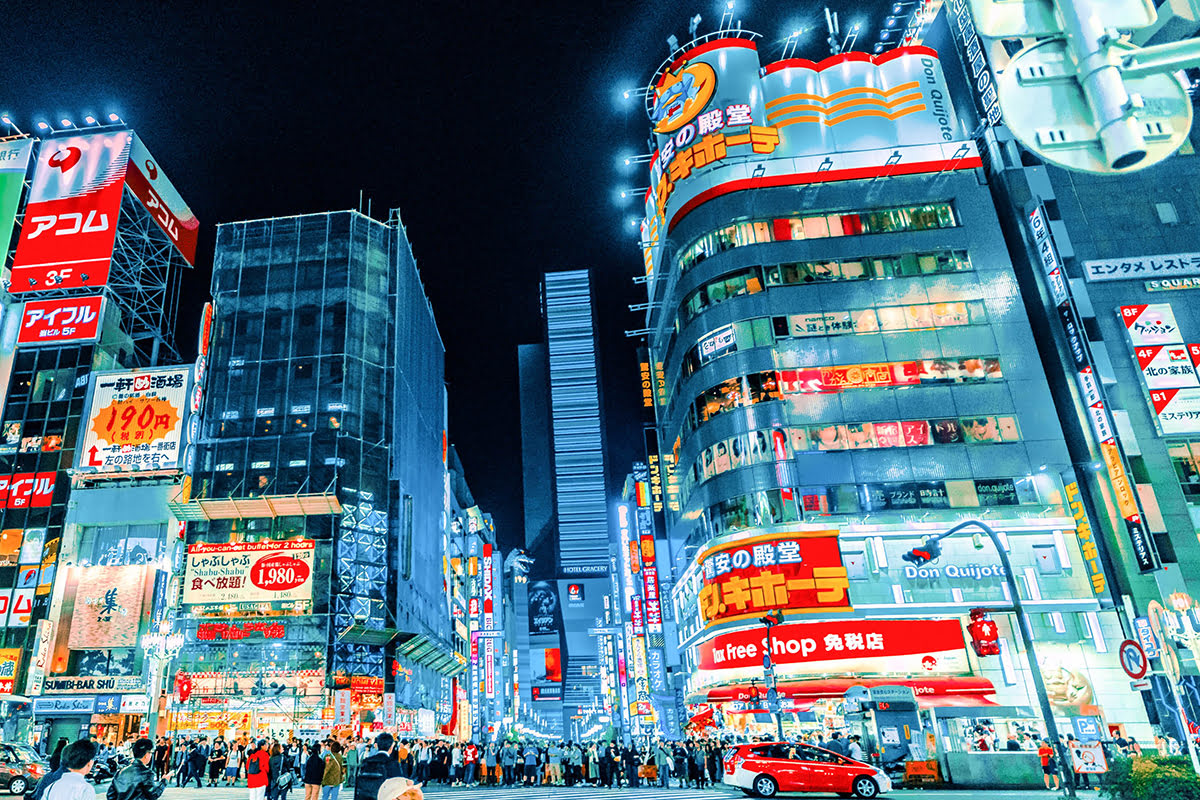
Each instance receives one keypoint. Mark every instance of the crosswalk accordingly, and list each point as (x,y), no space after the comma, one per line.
(583,792)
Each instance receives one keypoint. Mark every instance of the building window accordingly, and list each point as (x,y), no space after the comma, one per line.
(120,545)
(818,226)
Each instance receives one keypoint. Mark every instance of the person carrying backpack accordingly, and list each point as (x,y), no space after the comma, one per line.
(376,768)
(258,768)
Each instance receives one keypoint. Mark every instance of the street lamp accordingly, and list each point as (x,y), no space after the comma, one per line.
(931,550)
(771,620)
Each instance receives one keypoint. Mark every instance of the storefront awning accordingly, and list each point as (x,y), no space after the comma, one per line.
(199,509)
(930,692)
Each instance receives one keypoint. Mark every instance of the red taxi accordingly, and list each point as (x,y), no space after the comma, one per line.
(767,768)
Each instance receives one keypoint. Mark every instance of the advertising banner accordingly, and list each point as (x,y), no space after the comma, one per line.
(1153,323)
(1166,366)
(35,679)
(341,707)
(845,647)
(1178,410)
(73,319)
(243,573)
(16,607)
(10,657)
(389,710)
(259,683)
(150,185)
(14,161)
(135,422)
(789,572)
(1101,419)
(108,607)
(93,684)
(1168,265)
(71,215)
(544,611)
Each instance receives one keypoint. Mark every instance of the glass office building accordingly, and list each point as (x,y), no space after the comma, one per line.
(322,445)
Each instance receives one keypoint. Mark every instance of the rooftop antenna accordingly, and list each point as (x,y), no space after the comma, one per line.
(693,26)
(673,43)
(792,42)
(832,39)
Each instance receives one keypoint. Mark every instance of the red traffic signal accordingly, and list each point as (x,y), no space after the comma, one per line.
(985,636)
(929,550)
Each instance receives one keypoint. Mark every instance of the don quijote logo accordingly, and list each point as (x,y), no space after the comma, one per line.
(681,95)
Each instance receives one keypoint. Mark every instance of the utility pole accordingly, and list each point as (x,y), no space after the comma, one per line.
(929,551)
(773,705)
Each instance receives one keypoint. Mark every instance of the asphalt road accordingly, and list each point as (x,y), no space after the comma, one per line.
(558,793)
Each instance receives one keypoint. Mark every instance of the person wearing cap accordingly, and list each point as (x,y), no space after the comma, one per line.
(400,789)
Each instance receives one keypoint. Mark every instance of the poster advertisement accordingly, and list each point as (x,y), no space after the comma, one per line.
(241,573)
(135,422)
(10,658)
(108,607)
(71,213)
(845,647)
(68,319)
(14,161)
(150,185)
(788,572)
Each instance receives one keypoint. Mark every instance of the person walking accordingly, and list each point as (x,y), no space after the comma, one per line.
(352,755)
(530,758)
(470,757)
(593,765)
(258,768)
(1049,764)
(376,768)
(713,758)
(217,758)
(138,781)
(197,759)
(279,777)
(508,762)
(334,773)
(314,772)
(662,760)
(490,761)
(76,762)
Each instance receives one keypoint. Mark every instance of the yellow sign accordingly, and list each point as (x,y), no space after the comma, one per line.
(1087,539)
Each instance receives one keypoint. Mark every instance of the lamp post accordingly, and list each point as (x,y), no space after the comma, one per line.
(771,620)
(929,551)
(161,647)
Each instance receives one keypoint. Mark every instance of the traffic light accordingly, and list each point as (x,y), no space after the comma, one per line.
(928,551)
(985,636)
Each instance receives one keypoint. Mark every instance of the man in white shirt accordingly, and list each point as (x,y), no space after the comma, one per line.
(77,758)
(855,749)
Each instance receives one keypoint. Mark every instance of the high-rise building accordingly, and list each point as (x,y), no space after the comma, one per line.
(1108,268)
(567,518)
(319,492)
(845,371)
(94,434)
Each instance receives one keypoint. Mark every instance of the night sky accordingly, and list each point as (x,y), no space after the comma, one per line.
(498,130)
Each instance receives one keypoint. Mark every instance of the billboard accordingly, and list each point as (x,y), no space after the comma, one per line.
(27,489)
(248,573)
(150,184)
(71,214)
(14,161)
(135,422)
(544,612)
(10,657)
(69,319)
(108,607)
(845,647)
(799,571)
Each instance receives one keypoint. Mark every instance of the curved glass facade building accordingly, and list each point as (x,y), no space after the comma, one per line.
(845,368)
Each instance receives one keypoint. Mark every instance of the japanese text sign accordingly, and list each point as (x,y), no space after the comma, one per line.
(74,319)
(797,571)
(135,422)
(71,215)
(919,647)
(249,572)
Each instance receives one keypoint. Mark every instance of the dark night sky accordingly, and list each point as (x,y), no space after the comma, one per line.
(496,128)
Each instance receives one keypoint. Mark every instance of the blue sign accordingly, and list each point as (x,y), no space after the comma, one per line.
(108,704)
(1146,637)
(1087,729)
(45,706)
